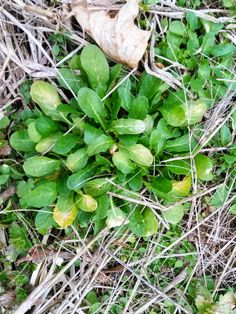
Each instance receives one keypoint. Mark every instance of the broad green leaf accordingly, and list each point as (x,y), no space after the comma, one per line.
(39,166)
(44,220)
(136,181)
(181,144)
(143,223)
(159,136)
(225,135)
(162,184)
(174,215)
(46,126)
(78,180)
(208,43)
(204,167)
(20,141)
(47,143)
(139,108)
(91,134)
(148,86)
(195,111)
(77,160)
(232,209)
(91,104)
(43,195)
(103,207)
(33,133)
(140,154)
(179,166)
(100,145)
(95,65)
(121,161)
(97,187)
(125,97)
(173,113)
(69,80)
(223,49)
(149,122)
(87,203)
(65,144)
(4,178)
(178,28)
(115,217)
(192,20)
(47,98)
(128,126)
(4,122)
(220,196)
(182,188)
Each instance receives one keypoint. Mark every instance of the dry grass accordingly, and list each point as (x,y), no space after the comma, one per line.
(26,53)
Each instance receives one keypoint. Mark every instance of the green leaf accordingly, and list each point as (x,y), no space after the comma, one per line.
(225,135)
(223,49)
(208,43)
(173,110)
(195,111)
(115,217)
(100,145)
(140,154)
(232,209)
(178,28)
(143,223)
(87,203)
(33,133)
(97,187)
(159,136)
(125,97)
(46,126)
(77,160)
(91,104)
(43,195)
(136,181)
(121,161)
(174,215)
(181,144)
(44,220)
(148,86)
(162,184)
(179,166)
(39,166)
(4,122)
(47,98)
(91,134)
(67,79)
(4,178)
(139,108)
(103,207)
(192,20)
(220,196)
(181,188)
(204,167)
(78,180)
(48,143)
(65,144)
(95,65)
(128,126)
(20,141)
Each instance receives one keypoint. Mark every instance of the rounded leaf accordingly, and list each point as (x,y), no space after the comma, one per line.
(77,160)
(47,143)
(97,187)
(140,154)
(20,141)
(34,135)
(196,111)
(43,195)
(46,126)
(38,166)
(87,203)
(115,217)
(174,215)
(204,167)
(65,218)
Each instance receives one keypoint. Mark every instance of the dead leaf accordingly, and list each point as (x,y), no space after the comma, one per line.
(7,298)
(5,150)
(118,37)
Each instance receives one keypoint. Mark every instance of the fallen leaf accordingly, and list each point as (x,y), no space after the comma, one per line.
(117,36)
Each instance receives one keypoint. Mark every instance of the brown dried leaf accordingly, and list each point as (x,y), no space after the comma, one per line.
(118,36)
